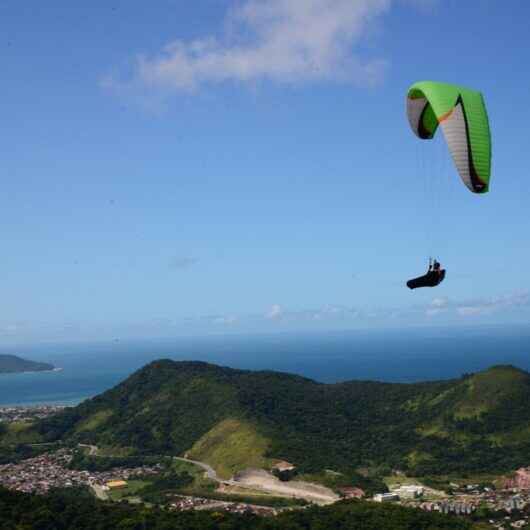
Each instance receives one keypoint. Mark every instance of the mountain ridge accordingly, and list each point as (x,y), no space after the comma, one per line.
(479,421)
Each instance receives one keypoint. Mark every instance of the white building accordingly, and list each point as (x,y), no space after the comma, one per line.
(386,497)
(410,492)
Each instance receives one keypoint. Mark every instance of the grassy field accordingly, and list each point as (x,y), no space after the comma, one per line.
(202,485)
(485,390)
(131,490)
(180,466)
(443,481)
(19,432)
(232,445)
(330,479)
(393,481)
(114,451)
(94,421)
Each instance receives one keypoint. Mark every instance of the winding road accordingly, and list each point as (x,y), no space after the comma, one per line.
(270,484)
(267,484)
(209,469)
(93,449)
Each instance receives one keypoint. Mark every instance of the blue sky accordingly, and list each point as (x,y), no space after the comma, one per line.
(202,167)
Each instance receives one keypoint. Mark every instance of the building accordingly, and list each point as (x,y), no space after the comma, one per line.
(116,484)
(515,503)
(457,508)
(520,479)
(283,466)
(410,492)
(352,493)
(386,497)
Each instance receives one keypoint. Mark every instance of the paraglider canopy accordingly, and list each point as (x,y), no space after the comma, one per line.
(462,114)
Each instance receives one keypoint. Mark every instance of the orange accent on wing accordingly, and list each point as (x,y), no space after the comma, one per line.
(445,116)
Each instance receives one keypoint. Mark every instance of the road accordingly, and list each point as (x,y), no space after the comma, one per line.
(100,492)
(93,449)
(262,480)
(210,471)
(268,483)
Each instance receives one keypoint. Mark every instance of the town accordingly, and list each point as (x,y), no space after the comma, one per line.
(509,501)
(28,413)
(40,474)
(183,503)
(49,471)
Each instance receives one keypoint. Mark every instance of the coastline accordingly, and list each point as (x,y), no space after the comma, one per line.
(72,402)
(54,369)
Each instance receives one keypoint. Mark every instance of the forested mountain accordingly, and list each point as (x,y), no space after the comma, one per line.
(13,364)
(236,418)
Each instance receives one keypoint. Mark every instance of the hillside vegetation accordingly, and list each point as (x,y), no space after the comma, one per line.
(231,445)
(235,419)
(78,510)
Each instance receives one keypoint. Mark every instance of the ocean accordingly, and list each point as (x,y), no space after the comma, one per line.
(393,356)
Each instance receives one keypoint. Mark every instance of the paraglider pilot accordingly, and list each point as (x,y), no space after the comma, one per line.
(435,275)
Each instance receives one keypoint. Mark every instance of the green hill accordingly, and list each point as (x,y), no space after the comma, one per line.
(235,419)
(12,364)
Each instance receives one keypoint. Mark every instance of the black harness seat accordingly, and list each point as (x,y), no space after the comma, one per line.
(431,279)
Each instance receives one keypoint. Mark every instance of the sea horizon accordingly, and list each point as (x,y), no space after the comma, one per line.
(400,356)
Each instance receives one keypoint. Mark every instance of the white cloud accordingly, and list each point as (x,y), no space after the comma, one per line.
(434,311)
(285,41)
(437,306)
(225,320)
(492,305)
(468,310)
(10,329)
(440,303)
(274,313)
(333,312)
(329,313)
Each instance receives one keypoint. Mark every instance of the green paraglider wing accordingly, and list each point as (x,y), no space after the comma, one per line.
(462,114)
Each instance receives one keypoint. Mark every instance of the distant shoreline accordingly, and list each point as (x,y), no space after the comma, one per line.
(46,403)
(55,369)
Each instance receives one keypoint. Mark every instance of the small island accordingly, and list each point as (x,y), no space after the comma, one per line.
(11,364)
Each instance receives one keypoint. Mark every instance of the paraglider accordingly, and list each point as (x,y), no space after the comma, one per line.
(461,112)
(434,276)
